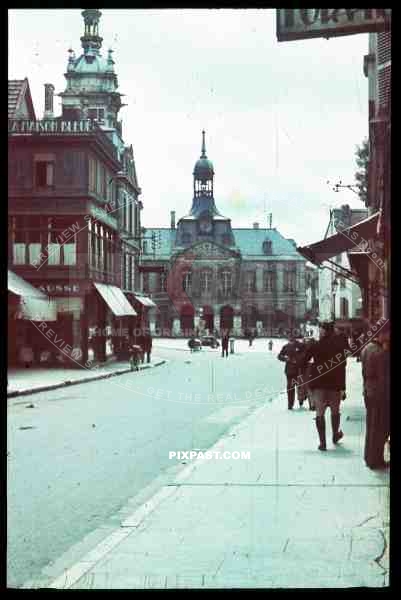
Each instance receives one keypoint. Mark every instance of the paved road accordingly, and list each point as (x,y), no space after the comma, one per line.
(79,455)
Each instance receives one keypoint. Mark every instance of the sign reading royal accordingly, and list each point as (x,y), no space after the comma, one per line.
(56,126)
(304,23)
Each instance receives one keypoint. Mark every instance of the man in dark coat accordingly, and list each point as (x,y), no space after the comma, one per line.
(327,382)
(291,354)
(224,343)
(376,370)
(147,345)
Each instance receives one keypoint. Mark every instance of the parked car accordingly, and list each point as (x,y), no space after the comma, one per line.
(210,340)
(194,344)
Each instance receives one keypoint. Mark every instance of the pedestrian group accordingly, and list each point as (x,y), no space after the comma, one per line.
(316,370)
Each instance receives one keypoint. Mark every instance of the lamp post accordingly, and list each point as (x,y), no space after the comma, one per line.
(334,287)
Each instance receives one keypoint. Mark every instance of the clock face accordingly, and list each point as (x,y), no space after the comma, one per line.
(205,225)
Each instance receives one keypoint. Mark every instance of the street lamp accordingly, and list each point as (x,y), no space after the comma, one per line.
(334,287)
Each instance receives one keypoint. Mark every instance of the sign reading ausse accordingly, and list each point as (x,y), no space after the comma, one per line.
(304,23)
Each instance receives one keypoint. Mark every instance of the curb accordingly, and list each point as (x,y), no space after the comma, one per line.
(67,383)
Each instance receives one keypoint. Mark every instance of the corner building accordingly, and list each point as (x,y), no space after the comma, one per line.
(74,210)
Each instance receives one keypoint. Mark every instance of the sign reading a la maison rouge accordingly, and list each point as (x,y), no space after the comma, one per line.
(49,126)
(304,23)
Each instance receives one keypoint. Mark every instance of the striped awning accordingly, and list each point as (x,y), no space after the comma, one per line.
(355,237)
(115,300)
(34,305)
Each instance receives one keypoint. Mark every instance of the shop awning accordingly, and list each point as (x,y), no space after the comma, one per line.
(115,300)
(145,301)
(355,237)
(34,304)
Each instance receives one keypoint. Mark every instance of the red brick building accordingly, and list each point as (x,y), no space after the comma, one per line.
(74,210)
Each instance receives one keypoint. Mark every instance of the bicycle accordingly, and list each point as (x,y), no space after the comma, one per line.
(135,357)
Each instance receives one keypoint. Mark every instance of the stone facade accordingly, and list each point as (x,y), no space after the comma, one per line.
(218,277)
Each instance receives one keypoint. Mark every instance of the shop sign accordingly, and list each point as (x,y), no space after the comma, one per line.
(65,289)
(49,126)
(305,23)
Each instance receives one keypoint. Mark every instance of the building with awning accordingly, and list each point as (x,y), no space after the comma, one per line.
(61,240)
(350,239)
(28,310)
(31,304)
(115,300)
(144,301)
(343,261)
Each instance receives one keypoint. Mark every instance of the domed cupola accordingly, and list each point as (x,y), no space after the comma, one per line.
(203,200)
(92,84)
(203,173)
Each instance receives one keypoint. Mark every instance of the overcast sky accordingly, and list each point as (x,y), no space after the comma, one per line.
(280,118)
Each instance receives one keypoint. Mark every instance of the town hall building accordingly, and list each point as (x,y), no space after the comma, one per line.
(205,276)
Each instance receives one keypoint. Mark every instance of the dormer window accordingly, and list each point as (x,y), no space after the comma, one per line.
(186,238)
(267,247)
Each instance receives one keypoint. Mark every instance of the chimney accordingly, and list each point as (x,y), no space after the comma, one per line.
(172,214)
(256,225)
(49,97)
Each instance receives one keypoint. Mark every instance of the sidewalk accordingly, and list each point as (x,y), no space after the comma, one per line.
(21,382)
(290,517)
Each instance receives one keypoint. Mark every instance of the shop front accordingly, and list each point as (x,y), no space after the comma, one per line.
(28,307)
(146,313)
(111,319)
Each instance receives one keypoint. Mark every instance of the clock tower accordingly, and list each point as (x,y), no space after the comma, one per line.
(204,222)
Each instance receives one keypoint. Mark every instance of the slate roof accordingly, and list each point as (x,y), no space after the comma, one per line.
(18,89)
(248,241)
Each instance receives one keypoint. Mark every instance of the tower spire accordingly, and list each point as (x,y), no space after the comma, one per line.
(203,155)
(91,39)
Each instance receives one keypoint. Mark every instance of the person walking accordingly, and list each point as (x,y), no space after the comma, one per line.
(304,373)
(376,371)
(326,383)
(270,345)
(249,335)
(290,354)
(139,341)
(224,344)
(307,373)
(147,345)
(342,346)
